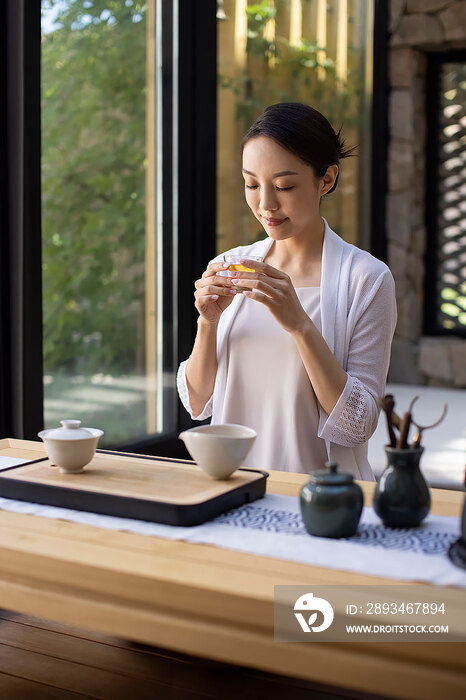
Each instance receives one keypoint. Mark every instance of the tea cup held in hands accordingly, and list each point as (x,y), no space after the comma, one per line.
(237,266)
(219,449)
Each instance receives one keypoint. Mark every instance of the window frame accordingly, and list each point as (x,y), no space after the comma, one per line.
(379,138)
(21,382)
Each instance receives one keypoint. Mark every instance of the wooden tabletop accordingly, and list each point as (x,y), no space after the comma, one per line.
(206,601)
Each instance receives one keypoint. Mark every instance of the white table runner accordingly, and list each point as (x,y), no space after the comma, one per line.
(273,527)
(7,462)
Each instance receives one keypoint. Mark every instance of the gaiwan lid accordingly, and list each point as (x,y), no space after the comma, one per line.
(70,430)
(330,476)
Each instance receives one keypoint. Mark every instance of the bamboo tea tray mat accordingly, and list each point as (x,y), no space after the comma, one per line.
(156,489)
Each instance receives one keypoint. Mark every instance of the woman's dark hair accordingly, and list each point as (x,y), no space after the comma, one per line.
(303,131)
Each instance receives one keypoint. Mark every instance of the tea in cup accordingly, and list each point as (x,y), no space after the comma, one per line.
(236,266)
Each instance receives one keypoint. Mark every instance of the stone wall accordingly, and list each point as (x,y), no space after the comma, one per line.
(416,28)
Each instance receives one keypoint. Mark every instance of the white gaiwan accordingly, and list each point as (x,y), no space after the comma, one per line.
(219,449)
(71,447)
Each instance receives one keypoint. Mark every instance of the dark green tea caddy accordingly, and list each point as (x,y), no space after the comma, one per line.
(331,503)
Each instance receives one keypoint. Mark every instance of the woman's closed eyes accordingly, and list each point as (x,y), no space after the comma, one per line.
(279,189)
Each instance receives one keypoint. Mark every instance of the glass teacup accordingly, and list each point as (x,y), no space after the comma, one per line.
(236,266)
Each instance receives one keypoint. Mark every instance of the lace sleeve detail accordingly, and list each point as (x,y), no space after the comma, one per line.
(350,428)
(183,393)
(351,422)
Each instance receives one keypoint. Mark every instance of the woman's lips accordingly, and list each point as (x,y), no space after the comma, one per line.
(273,222)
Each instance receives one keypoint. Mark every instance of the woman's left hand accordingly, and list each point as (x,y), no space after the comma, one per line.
(274,289)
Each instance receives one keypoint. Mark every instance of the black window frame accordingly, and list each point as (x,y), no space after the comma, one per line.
(21,382)
(380,134)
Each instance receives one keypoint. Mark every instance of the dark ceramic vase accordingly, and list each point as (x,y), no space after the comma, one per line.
(331,503)
(402,497)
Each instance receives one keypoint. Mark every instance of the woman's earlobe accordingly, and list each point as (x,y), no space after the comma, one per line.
(326,189)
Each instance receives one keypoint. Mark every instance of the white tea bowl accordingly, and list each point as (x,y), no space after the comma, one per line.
(71,447)
(219,449)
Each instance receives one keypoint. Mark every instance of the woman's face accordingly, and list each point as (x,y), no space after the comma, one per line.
(281,190)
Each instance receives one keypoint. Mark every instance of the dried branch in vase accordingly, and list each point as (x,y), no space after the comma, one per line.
(421,428)
(403,424)
(402,442)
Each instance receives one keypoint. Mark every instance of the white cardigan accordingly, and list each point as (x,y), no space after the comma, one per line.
(358,314)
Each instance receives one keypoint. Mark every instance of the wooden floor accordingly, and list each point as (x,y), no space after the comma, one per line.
(41,660)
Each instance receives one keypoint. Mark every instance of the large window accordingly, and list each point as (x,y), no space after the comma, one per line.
(314,51)
(108,355)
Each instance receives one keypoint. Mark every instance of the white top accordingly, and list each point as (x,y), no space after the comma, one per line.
(358,316)
(279,405)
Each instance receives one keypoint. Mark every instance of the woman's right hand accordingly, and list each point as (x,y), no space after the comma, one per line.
(213,293)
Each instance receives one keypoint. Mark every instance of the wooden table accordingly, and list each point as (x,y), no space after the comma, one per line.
(206,601)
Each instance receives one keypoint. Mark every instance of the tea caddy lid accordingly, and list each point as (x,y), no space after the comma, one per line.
(330,476)
(70,430)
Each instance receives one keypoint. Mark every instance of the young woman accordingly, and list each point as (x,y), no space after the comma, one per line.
(302,357)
